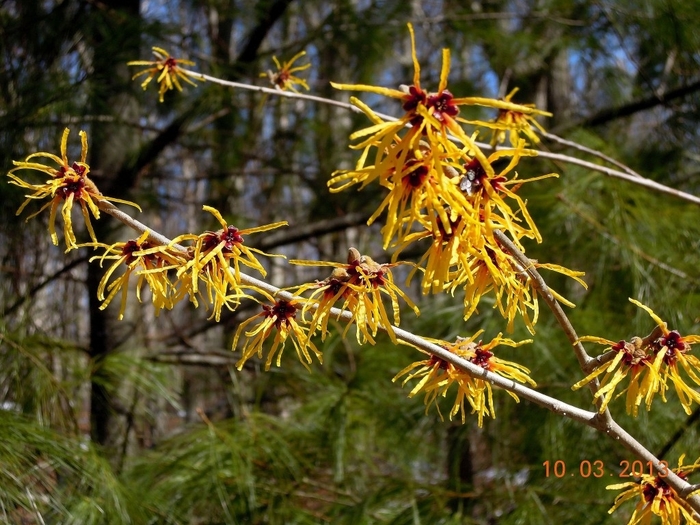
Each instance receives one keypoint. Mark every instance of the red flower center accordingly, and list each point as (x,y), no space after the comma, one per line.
(492,255)
(446,237)
(443,105)
(74,187)
(651,490)
(417,177)
(361,272)
(673,341)
(132,246)
(435,360)
(334,287)
(283,310)
(414,97)
(281,78)
(515,116)
(377,278)
(619,346)
(129,248)
(482,358)
(231,236)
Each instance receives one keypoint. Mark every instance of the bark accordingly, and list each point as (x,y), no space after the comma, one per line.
(559,86)
(110,145)
(460,466)
(609,114)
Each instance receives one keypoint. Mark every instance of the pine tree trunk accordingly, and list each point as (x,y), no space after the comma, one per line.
(109,146)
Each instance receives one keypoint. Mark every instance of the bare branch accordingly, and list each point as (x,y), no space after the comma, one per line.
(606,115)
(635,179)
(301,232)
(580,147)
(602,422)
(634,249)
(48,280)
(211,358)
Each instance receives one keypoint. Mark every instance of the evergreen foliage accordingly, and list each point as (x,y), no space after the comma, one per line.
(188,438)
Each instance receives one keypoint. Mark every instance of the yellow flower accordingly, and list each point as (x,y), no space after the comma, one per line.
(480,265)
(361,283)
(492,268)
(483,357)
(280,317)
(488,190)
(447,258)
(675,350)
(423,188)
(216,258)
(167,70)
(69,183)
(386,160)
(150,262)
(650,363)
(283,78)
(437,376)
(656,498)
(431,117)
(382,133)
(512,119)
(324,296)
(631,360)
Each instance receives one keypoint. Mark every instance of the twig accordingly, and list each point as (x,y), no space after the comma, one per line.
(580,147)
(592,419)
(633,178)
(678,434)
(647,183)
(540,285)
(616,240)
(48,280)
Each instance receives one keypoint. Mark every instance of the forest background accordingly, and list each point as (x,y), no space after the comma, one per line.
(146,420)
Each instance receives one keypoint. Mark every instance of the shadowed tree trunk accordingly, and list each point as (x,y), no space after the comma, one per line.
(110,143)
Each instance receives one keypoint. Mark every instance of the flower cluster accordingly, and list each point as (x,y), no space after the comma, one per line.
(651,364)
(437,376)
(280,317)
(657,498)
(358,287)
(69,183)
(215,259)
(443,188)
(360,284)
(173,273)
(149,261)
